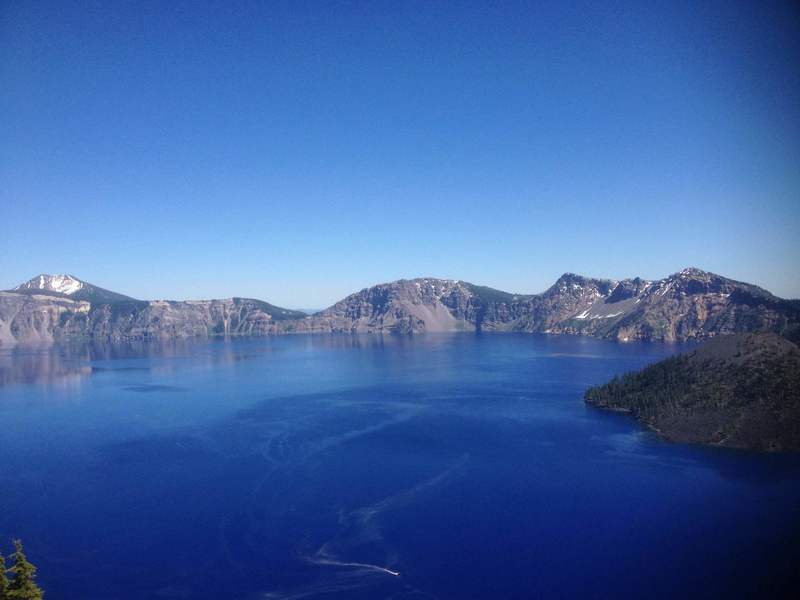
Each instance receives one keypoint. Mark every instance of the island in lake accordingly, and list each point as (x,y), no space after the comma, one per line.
(739,391)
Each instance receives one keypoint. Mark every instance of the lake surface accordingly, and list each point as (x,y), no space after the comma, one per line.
(438,466)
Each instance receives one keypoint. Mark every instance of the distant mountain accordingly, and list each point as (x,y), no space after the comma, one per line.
(404,306)
(70,286)
(691,304)
(739,391)
(58,307)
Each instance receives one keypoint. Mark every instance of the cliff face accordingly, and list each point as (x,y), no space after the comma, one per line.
(41,318)
(695,304)
(691,304)
(405,306)
(163,318)
(38,318)
(741,391)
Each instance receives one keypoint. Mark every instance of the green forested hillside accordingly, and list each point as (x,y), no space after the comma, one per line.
(738,390)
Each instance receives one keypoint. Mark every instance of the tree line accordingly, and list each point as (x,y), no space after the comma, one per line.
(21,585)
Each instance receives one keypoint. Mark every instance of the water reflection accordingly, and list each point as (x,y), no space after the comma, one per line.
(40,365)
(320,466)
(68,363)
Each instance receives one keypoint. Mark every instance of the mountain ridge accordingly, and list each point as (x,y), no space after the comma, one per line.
(688,304)
(69,286)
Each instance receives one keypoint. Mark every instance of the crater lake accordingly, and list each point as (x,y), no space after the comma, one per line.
(434,466)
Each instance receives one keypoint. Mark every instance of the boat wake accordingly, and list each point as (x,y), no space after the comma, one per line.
(369,567)
(362,526)
(361,535)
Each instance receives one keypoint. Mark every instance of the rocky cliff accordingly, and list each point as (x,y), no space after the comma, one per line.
(47,315)
(405,306)
(691,304)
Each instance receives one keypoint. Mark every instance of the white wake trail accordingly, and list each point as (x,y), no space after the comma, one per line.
(363,526)
(326,561)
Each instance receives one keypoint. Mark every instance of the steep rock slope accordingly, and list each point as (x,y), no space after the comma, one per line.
(697,304)
(37,318)
(166,318)
(404,306)
(58,307)
(691,304)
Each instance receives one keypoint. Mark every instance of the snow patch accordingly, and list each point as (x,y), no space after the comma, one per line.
(585,315)
(64,284)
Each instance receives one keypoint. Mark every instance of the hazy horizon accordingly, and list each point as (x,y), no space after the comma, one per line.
(299,153)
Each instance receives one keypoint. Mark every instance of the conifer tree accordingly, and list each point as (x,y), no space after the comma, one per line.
(3,579)
(23,586)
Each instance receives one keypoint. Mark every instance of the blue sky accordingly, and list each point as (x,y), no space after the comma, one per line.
(296,152)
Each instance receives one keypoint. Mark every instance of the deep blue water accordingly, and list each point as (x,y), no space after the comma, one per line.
(302,467)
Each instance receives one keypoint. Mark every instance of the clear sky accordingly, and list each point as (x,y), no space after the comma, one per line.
(299,151)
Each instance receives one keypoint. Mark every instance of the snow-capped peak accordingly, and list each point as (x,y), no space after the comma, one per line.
(64,284)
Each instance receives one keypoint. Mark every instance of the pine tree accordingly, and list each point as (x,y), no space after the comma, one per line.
(3,579)
(23,586)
